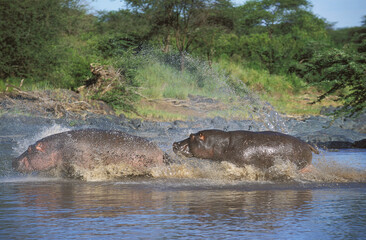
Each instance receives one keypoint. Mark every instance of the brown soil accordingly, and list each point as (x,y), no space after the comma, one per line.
(194,106)
(61,102)
(51,103)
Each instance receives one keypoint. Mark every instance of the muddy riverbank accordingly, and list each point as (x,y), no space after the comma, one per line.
(20,109)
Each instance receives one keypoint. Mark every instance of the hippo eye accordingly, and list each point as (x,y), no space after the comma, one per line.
(191,137)
(201,137)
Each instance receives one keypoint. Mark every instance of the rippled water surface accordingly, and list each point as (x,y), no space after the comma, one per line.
(192,209)
(187,200)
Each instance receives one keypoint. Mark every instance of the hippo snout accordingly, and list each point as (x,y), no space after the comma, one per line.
(182,147)
(21,164)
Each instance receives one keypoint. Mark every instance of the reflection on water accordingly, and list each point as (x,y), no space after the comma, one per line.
(159,209)
(189,199)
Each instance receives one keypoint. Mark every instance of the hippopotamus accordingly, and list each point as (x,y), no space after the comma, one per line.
(259,149)
(88,148)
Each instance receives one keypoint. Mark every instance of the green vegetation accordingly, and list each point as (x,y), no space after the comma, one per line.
(161,77)
(342,71)
(170,49)
(152,113)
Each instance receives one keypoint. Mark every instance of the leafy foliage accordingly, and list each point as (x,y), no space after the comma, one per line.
(344,73)
(27,33)
(184,21)
(276,34)
(53,42)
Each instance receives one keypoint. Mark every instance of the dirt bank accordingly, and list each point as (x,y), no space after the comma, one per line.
(69,106)
(51,103)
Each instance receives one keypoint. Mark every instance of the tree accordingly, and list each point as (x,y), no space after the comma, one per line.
(182,21)
(363,21)
(28,33)
(277,34)
(218,27)
(123,22)
(274,54)
(266,15)
(344,72)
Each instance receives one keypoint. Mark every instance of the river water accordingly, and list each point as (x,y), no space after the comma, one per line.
(190,199)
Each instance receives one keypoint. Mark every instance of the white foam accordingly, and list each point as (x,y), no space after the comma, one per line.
(27,179)
(22,144)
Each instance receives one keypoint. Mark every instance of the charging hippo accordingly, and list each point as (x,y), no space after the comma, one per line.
(87,149)
(244,147)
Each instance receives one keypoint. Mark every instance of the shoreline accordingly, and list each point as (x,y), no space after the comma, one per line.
(69,109)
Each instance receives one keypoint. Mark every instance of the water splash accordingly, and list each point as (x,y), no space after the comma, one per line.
(102,172)
(327,169)
(215,91)
(241,103)
(282,171)
(22,144)
(25,179)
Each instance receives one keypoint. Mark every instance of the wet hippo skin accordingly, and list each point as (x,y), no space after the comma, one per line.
(260,149)
(88,148)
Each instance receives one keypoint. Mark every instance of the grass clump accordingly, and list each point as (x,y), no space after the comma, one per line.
(162,81)
(289,94)
(161,77)
(24,84)
(225,81)
(149,112)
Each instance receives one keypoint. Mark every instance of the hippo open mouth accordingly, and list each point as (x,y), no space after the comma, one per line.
(246,148)
(22,164)
(182,148)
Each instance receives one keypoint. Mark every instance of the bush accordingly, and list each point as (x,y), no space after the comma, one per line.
(274,54)
(114,45)
(341,71)
(125,93)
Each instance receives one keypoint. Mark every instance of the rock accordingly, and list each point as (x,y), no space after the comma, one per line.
(180,124)
(220,123)
(327,110)
(360,144)
(136,123)
(357,123)
(122,117)
(335,145)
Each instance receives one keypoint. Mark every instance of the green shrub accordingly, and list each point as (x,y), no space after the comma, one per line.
(159,81)
(120,98)
(124,95)
(341,71)
(73,73)
(114,45)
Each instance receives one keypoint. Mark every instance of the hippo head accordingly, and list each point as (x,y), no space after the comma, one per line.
(208,144)
(39,156)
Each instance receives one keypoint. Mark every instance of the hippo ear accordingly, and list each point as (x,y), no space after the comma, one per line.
(201,137)
(40,147)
